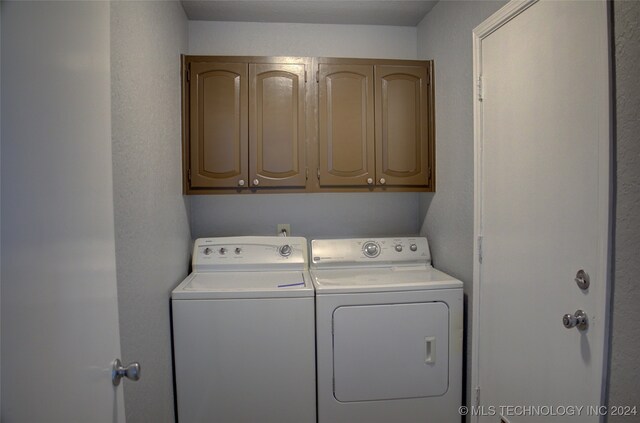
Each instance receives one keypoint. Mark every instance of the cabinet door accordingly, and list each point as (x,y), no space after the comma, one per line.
(218,125)
(277,125)
(346,125)
(402,131)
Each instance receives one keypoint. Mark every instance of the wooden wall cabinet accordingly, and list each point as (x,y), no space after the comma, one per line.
(261,124)
(247,125)
(396,100)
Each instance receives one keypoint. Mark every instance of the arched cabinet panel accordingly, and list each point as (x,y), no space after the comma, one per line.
(277,125)
(345,118)
(403,150)
(218,124)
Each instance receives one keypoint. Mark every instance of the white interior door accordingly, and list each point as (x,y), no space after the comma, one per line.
(542,209)
(59,304)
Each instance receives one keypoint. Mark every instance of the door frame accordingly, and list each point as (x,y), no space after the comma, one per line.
(605,189)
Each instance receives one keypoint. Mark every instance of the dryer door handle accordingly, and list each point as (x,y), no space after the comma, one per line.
(430,350)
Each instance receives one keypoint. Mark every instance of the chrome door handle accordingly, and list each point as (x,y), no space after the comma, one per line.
(131,372)
(578,320)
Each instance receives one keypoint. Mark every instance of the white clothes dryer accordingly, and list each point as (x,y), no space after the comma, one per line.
(389,331)
(244,335)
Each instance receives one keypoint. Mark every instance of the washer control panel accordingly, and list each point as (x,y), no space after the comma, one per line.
(250,253)
(369,251)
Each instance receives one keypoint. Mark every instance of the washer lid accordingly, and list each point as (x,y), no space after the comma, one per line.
(406,278)
(220,285)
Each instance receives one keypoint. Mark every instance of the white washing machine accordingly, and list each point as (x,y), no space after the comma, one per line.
(244,334)
(389,330)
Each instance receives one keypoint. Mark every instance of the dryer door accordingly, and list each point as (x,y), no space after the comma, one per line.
(390,351)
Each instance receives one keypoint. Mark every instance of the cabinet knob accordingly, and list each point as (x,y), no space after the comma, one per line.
(241,182)
(256,182)
(370,181)
(383,181)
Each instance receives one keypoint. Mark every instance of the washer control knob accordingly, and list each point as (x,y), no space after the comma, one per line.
(207,251)
(238,250)
(413,247)
(222,251)
(371,249)
(285,250)
(399,248)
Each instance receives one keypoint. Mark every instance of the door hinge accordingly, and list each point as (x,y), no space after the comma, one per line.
(189,175)
(305,77)
(306,174)
(317,76)
(429,175)
(480,248)
(428,76)
(318,173)
(189,72)
(477,397)
(480,89)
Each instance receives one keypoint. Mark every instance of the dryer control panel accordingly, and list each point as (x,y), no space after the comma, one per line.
(326,253)
(249,253)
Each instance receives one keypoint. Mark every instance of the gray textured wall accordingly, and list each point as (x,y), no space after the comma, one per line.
(311,215)
(446,216)
(287,39)
(444,35)
(151,215)
(624,386)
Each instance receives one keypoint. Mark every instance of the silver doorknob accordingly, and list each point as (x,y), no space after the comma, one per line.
(131,372)
(578,320)
(383,181)
(256,182)
(370,181)
(241,182)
